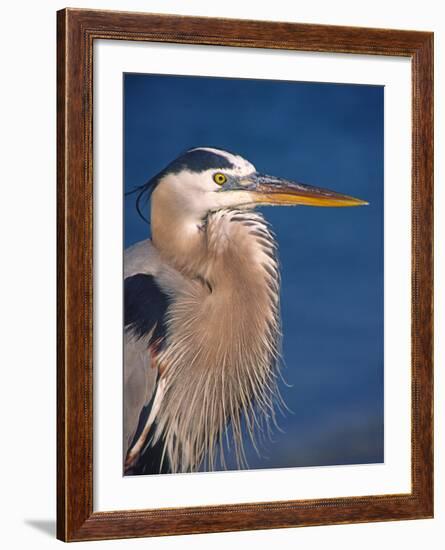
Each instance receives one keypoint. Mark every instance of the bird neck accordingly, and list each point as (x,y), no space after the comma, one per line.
(224,339)
(226,249)
(240,253)
(180,239)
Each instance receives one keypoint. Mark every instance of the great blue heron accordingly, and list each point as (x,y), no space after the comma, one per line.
(202,321)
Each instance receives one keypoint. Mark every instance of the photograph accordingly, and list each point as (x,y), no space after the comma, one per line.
(244,273)
(253,331)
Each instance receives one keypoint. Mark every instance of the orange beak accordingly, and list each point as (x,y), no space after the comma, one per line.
(277,191)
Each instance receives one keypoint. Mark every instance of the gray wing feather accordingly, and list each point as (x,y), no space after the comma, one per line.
(139,384)
(140,378)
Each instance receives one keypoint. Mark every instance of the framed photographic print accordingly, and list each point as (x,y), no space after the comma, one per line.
(227,361)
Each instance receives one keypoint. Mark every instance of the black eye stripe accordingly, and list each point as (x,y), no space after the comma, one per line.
(198,160)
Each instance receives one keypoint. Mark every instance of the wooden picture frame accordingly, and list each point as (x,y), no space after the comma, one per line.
(77,31)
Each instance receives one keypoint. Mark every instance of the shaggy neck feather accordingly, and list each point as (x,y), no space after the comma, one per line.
(224,335)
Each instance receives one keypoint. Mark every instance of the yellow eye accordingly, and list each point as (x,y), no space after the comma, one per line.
(219,178)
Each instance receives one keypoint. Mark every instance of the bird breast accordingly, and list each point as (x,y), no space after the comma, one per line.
(223,338)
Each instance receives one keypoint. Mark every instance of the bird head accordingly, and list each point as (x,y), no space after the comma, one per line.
(206,179)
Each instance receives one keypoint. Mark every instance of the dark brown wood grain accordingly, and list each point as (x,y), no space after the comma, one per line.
(76,32)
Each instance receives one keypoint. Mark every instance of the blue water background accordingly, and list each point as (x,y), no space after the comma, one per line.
(329,135)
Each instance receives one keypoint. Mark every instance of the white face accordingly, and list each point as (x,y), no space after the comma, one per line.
(198,193)
(205,180)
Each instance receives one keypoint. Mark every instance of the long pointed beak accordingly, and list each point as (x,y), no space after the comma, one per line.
(278,191)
